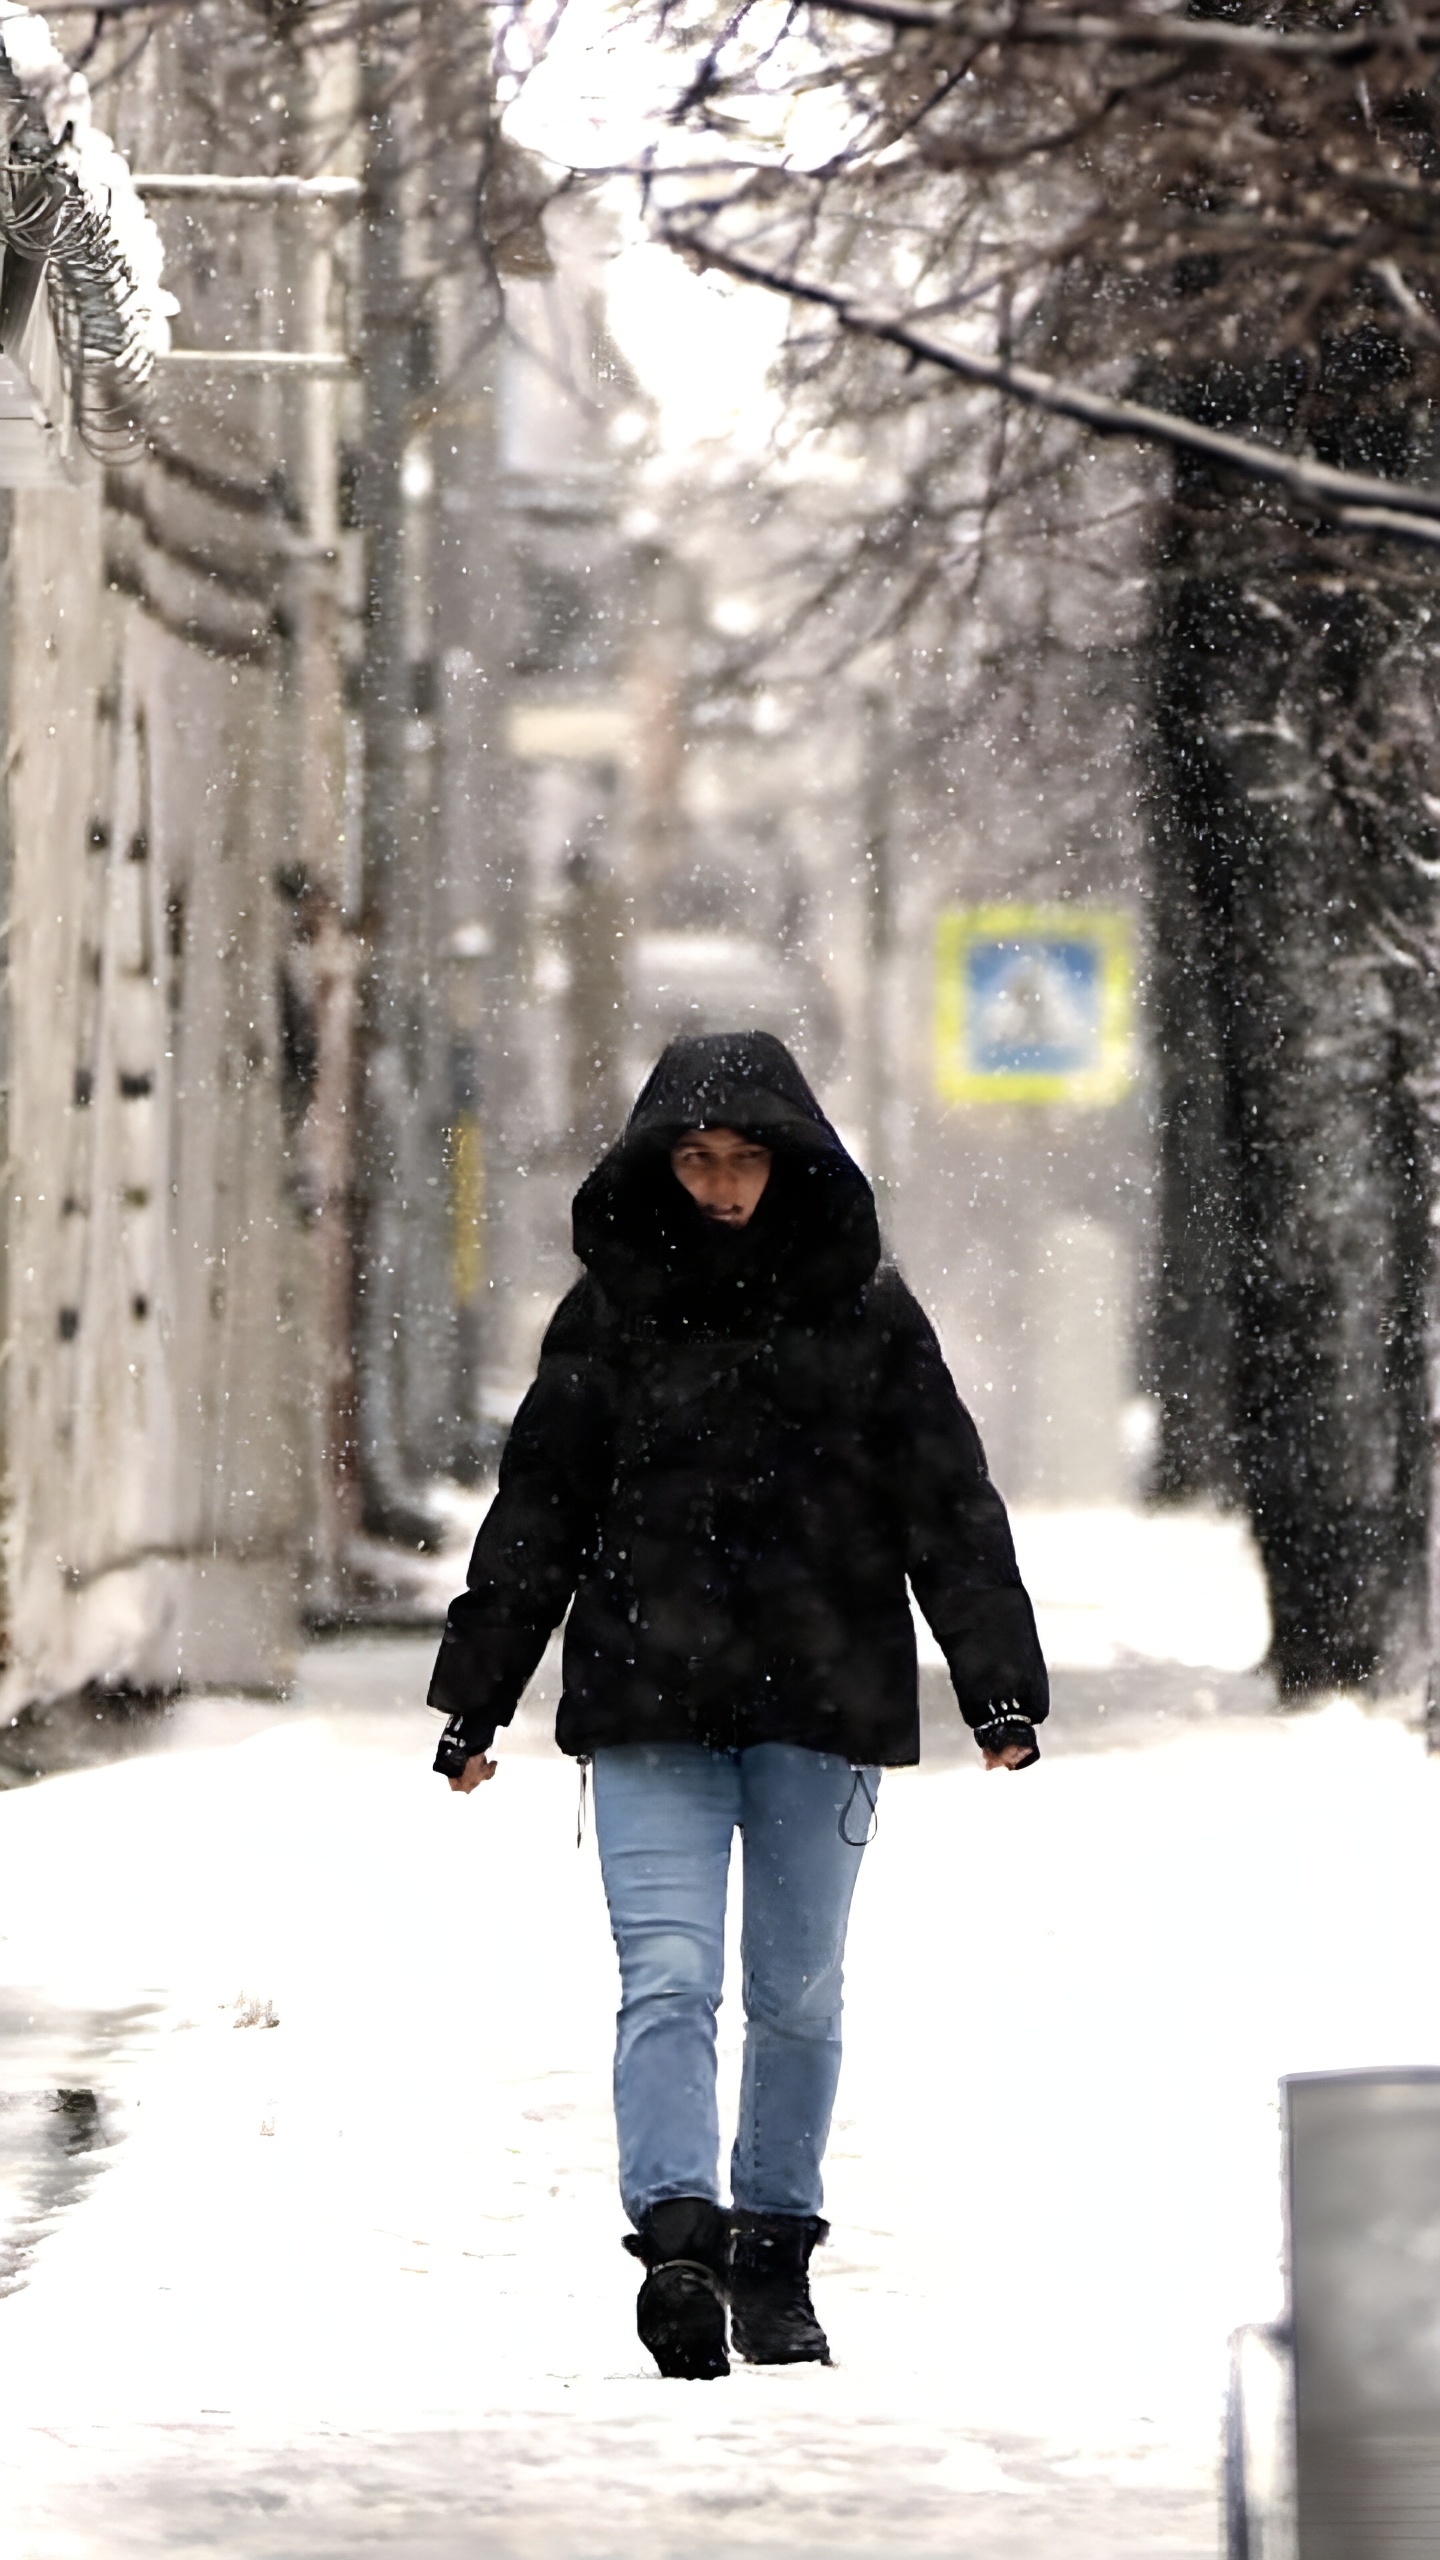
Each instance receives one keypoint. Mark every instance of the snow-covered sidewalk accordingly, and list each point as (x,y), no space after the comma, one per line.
(351,2282)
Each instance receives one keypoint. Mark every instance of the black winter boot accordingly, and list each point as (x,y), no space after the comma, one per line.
(772,2315)
(680,2311)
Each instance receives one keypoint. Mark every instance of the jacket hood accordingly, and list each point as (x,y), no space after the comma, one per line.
(813,1240)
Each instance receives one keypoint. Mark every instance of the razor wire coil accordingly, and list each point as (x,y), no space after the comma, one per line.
(96,308)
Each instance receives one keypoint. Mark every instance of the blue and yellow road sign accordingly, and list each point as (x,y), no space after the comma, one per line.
(1033,1004)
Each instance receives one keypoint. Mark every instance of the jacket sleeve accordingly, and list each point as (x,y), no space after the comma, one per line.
(959,1553)
(535,1535)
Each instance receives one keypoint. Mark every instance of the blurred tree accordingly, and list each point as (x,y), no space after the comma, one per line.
(1214,230)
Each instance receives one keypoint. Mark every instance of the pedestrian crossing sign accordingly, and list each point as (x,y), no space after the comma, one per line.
(1034,1004)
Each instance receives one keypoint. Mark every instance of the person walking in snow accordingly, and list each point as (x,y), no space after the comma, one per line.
(741,1443)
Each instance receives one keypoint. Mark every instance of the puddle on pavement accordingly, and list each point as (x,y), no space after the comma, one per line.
(58,2125)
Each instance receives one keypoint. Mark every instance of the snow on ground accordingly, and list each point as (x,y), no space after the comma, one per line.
(1114,1586)
(351,2282)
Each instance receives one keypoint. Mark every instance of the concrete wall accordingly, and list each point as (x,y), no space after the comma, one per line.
(154,1379)
(153,1515)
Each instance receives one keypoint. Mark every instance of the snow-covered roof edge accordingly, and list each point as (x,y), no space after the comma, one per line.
(104,254)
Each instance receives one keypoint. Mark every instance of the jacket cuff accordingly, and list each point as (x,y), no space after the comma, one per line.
(462,1738)
(994,1658)
(479,1673)
(1001,1731)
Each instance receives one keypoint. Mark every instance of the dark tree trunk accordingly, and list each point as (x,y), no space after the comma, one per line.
(1193,1343)
(1291,907)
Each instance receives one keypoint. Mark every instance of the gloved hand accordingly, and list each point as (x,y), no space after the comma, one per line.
(1008,1742)
(458,1747)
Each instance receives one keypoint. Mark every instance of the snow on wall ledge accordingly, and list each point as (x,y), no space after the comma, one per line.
(67,196)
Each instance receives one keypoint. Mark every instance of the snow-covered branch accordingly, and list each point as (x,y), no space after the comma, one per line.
(1349,498)
(1152,31)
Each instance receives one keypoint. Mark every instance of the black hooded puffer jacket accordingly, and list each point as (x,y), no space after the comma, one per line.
(738,1447)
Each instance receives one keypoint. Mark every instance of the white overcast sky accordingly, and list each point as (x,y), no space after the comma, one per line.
(701,347)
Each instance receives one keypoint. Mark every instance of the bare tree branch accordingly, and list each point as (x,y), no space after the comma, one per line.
(1349,498)
(1160,32)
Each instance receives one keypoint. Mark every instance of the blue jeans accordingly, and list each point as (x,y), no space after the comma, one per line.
(664,1817)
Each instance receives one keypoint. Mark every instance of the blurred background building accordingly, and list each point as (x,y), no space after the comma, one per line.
(411,729)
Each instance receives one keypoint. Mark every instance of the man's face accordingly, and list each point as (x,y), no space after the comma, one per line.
(723,1173)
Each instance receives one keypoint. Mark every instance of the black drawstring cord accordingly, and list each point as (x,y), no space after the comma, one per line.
(861,1786)
(580,1813)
